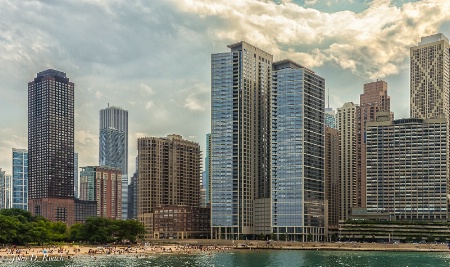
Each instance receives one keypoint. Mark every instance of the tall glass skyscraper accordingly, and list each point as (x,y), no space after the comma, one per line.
(51,146)
(298,102)
(113,150)
(330,118)
(20,178)
(240,88)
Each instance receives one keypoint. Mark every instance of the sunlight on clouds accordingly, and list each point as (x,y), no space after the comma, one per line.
(373,43)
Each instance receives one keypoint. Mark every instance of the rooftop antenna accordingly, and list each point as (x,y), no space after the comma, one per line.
(108,104)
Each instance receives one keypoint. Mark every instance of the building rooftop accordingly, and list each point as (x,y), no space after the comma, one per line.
(51,72)
(433,38)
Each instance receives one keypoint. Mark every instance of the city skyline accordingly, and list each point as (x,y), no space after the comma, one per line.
(153,72)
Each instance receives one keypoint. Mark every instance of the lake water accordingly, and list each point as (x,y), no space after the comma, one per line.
(278,258)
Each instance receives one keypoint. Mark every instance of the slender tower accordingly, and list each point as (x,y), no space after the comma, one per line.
(240,159)
(114,146)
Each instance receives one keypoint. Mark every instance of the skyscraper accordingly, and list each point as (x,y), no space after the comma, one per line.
(330,118)
(169,176)
(51,146)
(240,146)
(20,178)
(114,146)
(374,99)
(297,125)
(207,172)
(76,181)
(103,185)
(332,178)
(407,168)
(5,190)
(346,124)
(430,78)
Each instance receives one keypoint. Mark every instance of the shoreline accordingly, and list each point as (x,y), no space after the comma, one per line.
(187,247)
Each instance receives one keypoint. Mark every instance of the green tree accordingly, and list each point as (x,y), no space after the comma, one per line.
(22,215)
(96,230)
(8,229)
(128,230)
(74,232)
(58,231)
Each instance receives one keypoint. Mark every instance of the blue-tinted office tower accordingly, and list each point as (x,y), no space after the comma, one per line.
(20,178)
(330,118)
(113,146)
(240,187)
(297,151)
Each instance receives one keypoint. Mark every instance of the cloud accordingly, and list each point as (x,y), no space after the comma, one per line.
(149,105)
(311,2)
(153,57)
(99,95)
(372,44)
(146,89)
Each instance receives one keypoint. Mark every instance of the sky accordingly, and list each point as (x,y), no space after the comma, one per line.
(152,58)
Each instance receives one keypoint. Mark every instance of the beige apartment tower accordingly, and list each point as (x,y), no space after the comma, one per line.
(430,78)
(169,175)
(346,124)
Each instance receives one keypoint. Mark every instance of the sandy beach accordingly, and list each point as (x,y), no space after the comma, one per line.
(207,246)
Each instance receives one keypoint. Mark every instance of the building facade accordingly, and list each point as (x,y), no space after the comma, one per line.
(297,150)
(181,222)
(51,146)
(20,178)
(132,197)
(430,78)
(407,168)
(346,125)
(330,118)
(240,150)
(5,190)
(374,99)
(103,185)
(168,174)
(113,146)
(332,179)
(76,180)
(206,181)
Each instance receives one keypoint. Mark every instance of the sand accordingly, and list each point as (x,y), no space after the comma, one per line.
(190,247)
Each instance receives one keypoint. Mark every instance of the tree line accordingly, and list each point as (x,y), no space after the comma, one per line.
(20,227)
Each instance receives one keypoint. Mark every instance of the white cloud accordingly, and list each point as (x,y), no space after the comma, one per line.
(99,95)
(147,89)
(372,44)
(311,2)
(149,105)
